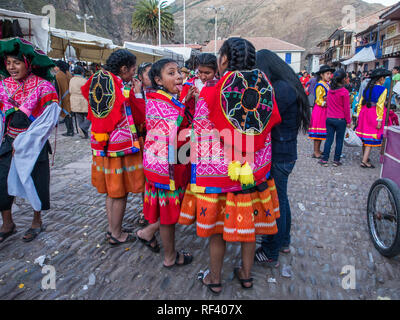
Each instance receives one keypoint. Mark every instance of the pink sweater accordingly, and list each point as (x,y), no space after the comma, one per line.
(338,104)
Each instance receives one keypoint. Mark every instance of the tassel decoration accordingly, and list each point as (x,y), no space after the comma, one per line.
(234,170)
(101,137)
(246,175)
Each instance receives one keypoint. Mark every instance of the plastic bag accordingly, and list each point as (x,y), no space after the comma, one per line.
(351,139)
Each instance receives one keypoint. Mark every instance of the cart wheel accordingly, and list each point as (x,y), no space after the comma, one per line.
(383,216)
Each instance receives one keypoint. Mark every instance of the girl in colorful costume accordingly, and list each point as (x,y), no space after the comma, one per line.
(317,130)
(207,70)
(29,112)
(143,76)
(166,181)
(233,198)
(371,112)
(117,168)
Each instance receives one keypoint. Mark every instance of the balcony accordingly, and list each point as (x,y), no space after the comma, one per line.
(345,51)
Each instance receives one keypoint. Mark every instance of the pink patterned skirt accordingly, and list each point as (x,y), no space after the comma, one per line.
(366,129)
(317,129)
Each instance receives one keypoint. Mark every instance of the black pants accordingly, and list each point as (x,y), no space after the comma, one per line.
(40,176)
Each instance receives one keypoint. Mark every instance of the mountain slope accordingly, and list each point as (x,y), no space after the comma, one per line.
(301,22)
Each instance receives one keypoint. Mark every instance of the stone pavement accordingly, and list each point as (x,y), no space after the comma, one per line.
(329,232)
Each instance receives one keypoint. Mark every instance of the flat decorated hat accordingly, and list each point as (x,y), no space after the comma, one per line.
(26,51)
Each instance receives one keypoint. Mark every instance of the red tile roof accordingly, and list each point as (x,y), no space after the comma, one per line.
(180,45)
(260,43)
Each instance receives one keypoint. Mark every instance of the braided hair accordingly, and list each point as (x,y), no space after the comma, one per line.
(208,60)
(119,59)
(369,90)
(240,53)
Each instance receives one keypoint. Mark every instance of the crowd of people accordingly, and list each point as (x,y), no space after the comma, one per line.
(212,144)
(357,101)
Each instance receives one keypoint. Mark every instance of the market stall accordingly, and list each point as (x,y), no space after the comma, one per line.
(26,25)
(90,48)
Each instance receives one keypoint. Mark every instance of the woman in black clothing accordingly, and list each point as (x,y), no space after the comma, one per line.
(293,107)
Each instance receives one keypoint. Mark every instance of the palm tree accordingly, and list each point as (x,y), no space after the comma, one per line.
(145,20)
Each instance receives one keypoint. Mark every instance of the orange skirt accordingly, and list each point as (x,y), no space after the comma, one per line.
(117,177)
(239,217)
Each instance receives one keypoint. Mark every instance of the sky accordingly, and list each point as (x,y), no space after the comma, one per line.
(384,2)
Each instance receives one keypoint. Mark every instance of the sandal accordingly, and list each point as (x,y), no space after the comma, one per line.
(315,157)
(5,235)
(124,230)
(32,234)
(366,166)
(155,249)
(243,281)
(285,250)
(187,259)
(130,239)
(202,275)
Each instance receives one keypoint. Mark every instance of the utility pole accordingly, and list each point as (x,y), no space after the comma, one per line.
(184,23)
(159,23)
(216,10)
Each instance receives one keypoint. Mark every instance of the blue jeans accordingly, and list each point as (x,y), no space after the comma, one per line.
(273,244)
(338,127)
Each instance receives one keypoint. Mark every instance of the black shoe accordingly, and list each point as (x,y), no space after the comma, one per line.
(68,134)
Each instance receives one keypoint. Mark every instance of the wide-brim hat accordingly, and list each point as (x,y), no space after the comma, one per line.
(325,68)
(379,73)
(41,64)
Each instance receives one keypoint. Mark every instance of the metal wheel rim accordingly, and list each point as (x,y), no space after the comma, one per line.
(379,226)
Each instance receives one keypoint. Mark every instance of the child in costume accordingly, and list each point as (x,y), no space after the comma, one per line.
(207,71)
(338,117)
(29,112)
(231,195)
(317,130)
(371,113)
(166,179)
(117,168)
(143,76)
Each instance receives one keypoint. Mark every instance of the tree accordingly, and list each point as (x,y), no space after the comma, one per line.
(145,20)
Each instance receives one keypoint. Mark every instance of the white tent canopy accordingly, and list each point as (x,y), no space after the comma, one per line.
(33,27)
(365,55)
(164,52)
(90,48)
(185,52)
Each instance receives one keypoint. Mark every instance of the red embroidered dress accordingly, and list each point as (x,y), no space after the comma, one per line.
(117,167)
(31,96)
(241,104)
(166,179)
(113,128)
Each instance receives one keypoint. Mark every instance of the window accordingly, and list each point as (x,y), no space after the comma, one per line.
(288,58)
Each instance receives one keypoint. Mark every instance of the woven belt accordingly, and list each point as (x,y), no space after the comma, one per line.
(14,132)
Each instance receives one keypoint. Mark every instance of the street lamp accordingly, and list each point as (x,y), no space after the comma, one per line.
(216,10)
(184,23)
(84,18)
(159,23)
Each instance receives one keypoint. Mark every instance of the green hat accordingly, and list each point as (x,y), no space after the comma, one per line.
(26,51)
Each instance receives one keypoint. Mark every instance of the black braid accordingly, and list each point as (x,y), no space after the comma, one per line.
(241,54)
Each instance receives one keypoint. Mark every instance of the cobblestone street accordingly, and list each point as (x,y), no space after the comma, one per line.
(329,232)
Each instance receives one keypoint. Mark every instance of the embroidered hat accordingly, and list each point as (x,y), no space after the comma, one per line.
(26,51)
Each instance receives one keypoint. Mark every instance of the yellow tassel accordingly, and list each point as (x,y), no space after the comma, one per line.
(101,137)
(234,170)
(246,175)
